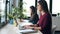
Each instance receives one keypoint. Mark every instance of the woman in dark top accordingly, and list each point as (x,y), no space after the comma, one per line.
(34,17)
(44,23)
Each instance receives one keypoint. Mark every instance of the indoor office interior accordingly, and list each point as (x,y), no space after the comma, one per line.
(14,14)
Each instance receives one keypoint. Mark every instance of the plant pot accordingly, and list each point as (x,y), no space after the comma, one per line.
(11,21)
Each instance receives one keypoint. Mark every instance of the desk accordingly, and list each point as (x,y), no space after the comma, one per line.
(26,22)
(11,29)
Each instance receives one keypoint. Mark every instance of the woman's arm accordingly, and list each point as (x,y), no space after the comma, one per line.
(35,28)
(31,26)
(34,25)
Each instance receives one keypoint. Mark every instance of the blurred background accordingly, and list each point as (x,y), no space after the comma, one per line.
(12,10)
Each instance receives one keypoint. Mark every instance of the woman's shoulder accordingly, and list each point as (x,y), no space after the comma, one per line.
(47,15)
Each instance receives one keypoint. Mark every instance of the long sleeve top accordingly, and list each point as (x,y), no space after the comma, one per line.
(45,23)
(34,19)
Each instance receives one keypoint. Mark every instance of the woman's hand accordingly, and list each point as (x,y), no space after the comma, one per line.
(34,25)
(37,28)
(34,28)
(26,26)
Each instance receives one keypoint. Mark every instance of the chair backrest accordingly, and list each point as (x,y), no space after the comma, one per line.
(53,29)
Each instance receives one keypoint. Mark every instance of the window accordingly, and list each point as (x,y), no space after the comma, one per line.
(26,5)
(2,10)
(48,2)
(56,6)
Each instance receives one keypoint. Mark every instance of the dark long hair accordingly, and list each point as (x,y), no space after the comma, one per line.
(34,10)
(44,5)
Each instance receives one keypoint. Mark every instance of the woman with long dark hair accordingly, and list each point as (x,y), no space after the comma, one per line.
(45,17)
(34,17)
(44,24)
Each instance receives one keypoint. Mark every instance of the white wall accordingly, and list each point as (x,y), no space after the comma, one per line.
(56,21)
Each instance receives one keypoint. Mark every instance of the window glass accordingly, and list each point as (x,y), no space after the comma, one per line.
(2,10)
(56,7)
(26,6)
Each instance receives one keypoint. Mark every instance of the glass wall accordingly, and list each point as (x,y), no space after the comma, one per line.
(56,7)
(26,6)
(48,2)
(2,10)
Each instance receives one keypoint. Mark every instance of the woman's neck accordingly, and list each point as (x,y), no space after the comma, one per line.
(42,12)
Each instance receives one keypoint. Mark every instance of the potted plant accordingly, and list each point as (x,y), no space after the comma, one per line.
(20,5)
(19,11)
(10,16)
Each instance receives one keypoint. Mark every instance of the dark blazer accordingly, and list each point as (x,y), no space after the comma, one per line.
(34,19)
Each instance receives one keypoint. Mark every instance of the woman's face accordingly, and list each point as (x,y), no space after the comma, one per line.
(30,11)
(39,7)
